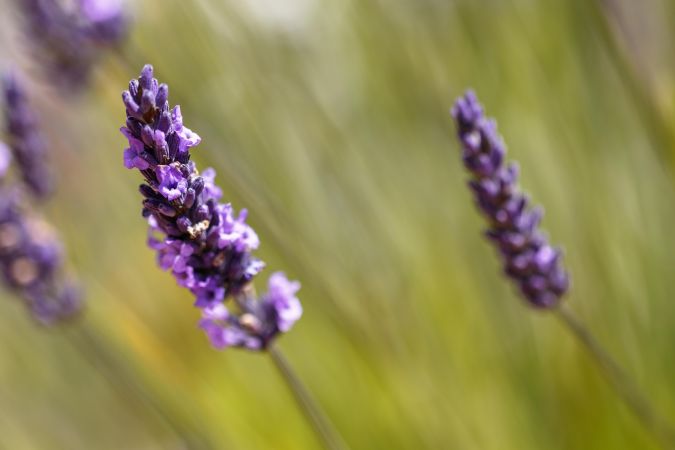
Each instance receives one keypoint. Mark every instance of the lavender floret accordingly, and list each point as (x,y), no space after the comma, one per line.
(31,260)
(205,245)
(260,320)
(25,139)
(528,258)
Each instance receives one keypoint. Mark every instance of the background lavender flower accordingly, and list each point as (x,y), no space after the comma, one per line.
(5,159)
(25,138)
(205,245)
(104,21)
(69,37)
(528,258)
(31,258)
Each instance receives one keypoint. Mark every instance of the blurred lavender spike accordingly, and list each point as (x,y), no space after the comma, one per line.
(25,139)
(31,258)
(528,258)
(205,245)
(69,37)
(104,21)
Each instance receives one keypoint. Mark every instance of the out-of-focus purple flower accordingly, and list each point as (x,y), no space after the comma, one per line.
(5,159)
(104,21)
(25,138)
(528,258)
(282,300)
(260,319)
(205,245)
(31,262)
(31,256)
(101,10)
(210,188)
(69,37)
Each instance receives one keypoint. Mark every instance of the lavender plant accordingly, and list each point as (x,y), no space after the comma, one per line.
(529,260)
(513,226)
(205,245)
(70,36)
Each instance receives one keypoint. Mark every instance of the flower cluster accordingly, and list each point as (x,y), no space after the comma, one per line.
(25,139)
(205,245)
(70,35)
(528,258)
(31,257)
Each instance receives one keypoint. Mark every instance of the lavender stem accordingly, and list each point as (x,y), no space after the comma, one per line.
(624,386)
(320,423)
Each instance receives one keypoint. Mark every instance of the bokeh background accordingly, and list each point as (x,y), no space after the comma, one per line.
(329,121)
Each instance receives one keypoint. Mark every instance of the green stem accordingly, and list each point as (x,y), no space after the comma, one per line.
(92,347)
(621,382)
(320,423)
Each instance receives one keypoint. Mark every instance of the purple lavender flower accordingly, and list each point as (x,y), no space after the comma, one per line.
(69,37)
(25,139)
(282,301)
(260,320)
(172,182)
(528,258)
(31,259)
(5,159)
(205,245)
(104,21)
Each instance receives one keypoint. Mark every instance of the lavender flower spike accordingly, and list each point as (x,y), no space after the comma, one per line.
(205,245)
(25,139)
(31,259)
(68,36)
(528,258)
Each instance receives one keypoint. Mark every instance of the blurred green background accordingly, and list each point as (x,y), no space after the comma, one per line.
(329,122)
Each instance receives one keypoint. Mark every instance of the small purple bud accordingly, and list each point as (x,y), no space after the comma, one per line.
(146,77)
(162,94)
(190,198)
(133,88)
(147,102)
(173,141)
(198,185)
(164,124)
(167,210)
(202,213)
(132,107)
(148,136)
